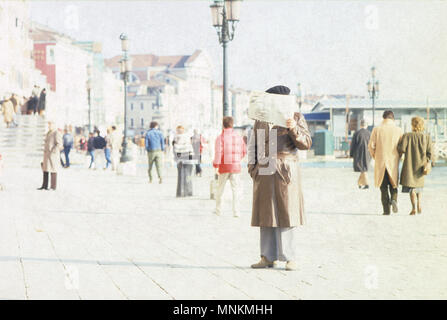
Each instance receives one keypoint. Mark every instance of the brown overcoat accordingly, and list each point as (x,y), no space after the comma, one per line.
(52,150)
(417,148)
(8,111)
(277,193)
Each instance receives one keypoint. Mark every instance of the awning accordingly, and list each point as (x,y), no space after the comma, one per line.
(317,116)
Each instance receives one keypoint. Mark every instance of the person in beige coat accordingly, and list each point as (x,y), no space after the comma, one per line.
(278,205)
(8,112)
(383,149)
(51,156)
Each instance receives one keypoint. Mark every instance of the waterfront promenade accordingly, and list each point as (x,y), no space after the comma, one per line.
(103,236)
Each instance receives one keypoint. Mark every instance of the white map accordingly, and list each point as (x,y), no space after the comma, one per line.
(272,108)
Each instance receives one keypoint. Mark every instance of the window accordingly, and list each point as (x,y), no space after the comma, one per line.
(131,122)
(131,106)
(142,122)
(142,106)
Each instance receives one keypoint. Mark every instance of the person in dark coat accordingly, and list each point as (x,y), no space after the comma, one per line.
(359,151)
(91,148)
(32,105)
(41,104)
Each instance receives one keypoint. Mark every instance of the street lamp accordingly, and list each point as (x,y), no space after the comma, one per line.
(299,96)
(224,13)
(373,90)
(89,88)
(125,68)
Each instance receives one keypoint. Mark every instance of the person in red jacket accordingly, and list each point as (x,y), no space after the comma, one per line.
(230,149)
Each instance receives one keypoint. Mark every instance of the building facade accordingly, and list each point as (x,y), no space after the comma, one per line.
(17,72)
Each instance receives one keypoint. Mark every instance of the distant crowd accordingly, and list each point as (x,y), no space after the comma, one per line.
(11,105)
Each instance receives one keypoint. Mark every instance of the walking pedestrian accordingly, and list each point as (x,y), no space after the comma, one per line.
(277,194)
(155,146)
(142,144)
(115,145)
(108,148)
(184,157)
(15,103)
(8,111)
(42,102)
(198,141)
(417,148)
(229,150)
(99,144)
(68,145)
(383,148)
(91,149)
(51,156)
(359,151)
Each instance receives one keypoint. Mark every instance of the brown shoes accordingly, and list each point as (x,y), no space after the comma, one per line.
(291,266)
(264,263)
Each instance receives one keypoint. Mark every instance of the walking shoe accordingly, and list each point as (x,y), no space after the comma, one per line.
(394,206)
(365,187)
(291,266)
(264,263)
(236,214)
(160,181)
(217,212)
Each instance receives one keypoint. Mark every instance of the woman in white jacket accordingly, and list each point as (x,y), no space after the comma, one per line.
(183,153)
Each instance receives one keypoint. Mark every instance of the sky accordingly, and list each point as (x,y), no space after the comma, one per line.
(327,46)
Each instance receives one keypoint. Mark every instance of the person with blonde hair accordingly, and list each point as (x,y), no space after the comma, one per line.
(417,148)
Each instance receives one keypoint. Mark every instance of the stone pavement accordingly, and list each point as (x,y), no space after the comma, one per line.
(103,236)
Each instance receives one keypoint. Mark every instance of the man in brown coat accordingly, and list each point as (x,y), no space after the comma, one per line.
(383,149)
(277,193)
(51,156)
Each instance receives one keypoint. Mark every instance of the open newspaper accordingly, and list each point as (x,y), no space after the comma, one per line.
(272,108)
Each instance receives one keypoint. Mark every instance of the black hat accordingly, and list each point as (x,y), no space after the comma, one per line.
(279,90)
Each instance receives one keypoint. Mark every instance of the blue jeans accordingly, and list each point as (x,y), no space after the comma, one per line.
(108,159)
(67,159)
(92,158)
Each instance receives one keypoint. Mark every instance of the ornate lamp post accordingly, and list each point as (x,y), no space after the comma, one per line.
(224,13)
(125,68)
(373,90)
(89,88)
(299,96)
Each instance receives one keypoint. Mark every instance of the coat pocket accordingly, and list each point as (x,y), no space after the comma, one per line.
(253,171)
(284,172)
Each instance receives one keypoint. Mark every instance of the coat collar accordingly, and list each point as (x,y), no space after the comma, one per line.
(388,121)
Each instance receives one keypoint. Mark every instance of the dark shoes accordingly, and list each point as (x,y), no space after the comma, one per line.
(364,187)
